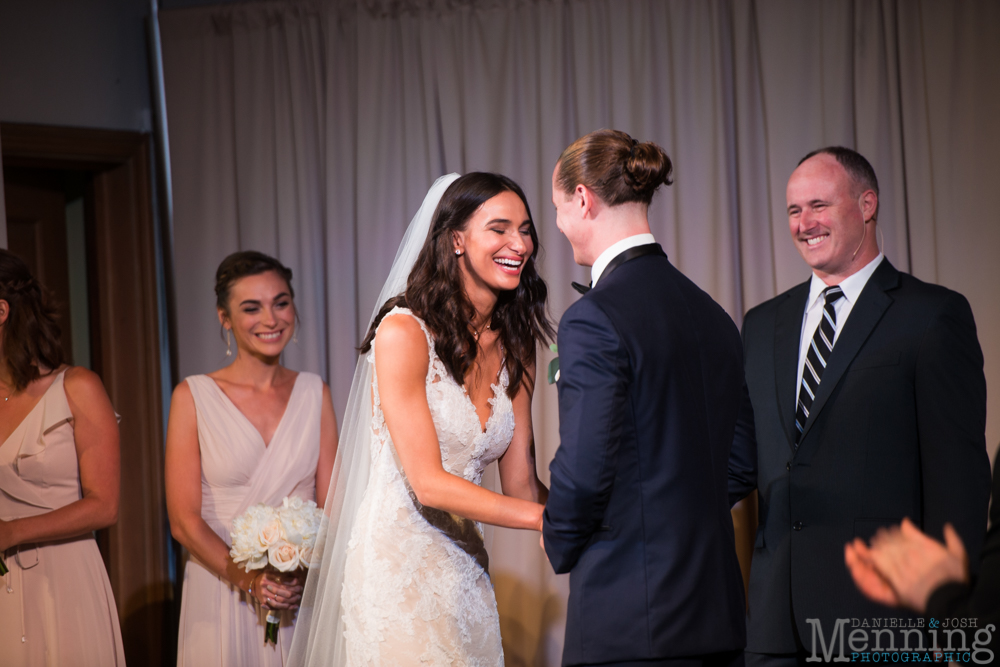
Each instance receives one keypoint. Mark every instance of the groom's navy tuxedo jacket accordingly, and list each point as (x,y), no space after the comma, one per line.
(650,391)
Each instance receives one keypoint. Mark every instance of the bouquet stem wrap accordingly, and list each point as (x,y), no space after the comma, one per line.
(271,631)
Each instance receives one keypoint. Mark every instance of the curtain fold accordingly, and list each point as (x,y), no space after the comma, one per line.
(311,130)
(248,90)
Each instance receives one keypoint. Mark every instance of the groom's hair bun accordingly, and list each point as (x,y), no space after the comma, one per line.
(615,166)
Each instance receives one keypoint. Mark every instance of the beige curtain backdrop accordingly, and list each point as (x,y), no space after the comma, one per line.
(312,131)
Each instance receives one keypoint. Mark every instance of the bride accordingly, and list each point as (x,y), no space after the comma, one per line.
(443,389)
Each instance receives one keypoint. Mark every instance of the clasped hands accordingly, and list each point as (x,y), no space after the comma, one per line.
(903,566)
(277,591)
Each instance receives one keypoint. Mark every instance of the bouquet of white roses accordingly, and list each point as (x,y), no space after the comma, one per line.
(280,537)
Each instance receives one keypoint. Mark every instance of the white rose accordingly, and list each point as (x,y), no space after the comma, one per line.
(283,556)
(269,533)
(306,555)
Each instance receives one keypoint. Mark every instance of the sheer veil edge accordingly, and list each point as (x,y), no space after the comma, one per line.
(319,631)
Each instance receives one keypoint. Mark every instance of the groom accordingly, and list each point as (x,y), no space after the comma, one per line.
(651,392)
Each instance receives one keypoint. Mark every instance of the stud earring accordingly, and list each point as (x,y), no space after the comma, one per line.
(229,344)
(458,253)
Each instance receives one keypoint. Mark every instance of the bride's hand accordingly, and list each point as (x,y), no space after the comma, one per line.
(277,591)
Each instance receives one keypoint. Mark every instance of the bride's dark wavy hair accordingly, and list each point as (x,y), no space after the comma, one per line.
(434,288)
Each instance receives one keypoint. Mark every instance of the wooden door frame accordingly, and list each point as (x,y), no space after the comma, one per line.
(124,315)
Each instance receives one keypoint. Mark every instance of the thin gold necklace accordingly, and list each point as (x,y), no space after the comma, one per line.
(477,334)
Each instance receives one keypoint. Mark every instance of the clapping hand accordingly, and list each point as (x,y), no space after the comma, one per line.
(903,566)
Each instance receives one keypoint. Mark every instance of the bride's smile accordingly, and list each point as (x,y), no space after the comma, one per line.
(510,265)
(495,245)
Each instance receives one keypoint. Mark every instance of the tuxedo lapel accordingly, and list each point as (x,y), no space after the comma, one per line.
(871,306)
(621,258)
(630,254)
(787,331)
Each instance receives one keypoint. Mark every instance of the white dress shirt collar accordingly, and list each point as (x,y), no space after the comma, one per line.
(852,285)
(613,251)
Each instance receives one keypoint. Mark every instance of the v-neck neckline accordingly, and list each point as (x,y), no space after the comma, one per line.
(281,421)
(41,399)
(495,386)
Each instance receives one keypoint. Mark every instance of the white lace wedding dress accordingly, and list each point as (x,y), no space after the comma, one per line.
(416,587)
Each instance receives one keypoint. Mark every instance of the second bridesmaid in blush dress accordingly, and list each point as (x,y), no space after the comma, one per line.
(252,432)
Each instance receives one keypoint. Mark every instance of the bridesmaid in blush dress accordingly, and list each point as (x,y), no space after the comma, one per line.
(59,481)
(252,432)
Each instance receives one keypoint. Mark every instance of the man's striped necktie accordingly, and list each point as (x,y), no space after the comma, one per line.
(819,351)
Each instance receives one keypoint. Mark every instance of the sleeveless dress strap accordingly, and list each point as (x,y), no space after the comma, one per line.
(406,311)
(433,362)
(54,407)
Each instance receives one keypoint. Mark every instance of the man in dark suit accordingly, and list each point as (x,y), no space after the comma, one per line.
(650,391)
(869,403)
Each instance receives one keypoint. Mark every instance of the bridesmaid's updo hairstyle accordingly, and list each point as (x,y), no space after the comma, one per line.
(434,288)
(619,169)
(242,264)
(30,334)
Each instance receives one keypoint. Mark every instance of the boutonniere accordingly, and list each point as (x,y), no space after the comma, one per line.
(554,365)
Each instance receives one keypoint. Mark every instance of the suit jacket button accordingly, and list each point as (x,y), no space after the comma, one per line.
(788,465)
(797,525)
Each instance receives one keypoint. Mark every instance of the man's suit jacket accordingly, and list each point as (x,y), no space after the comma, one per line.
(897,429)
(651,384)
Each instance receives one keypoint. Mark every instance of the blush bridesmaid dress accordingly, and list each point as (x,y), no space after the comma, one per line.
(221,625)
(56,604)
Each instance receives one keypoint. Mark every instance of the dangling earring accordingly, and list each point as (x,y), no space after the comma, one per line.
(295,335)
(229,344)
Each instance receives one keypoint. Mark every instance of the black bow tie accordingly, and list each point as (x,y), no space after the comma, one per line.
(621,258)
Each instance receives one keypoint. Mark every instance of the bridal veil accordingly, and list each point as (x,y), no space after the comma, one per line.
(319,630)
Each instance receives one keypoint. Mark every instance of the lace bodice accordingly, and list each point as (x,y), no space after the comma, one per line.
(466,449)
(416,587)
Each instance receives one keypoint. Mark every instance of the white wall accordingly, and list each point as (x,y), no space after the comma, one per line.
(81,63)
